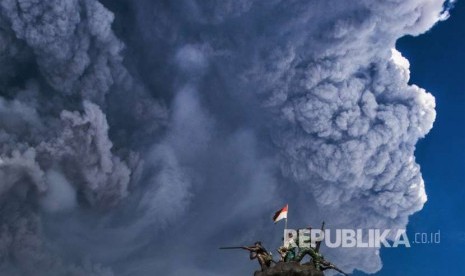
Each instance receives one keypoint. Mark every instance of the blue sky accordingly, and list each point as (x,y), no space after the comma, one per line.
(437,61)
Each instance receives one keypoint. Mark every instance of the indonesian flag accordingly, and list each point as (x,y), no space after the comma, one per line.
(281,214)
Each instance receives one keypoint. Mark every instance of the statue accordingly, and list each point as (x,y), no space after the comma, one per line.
(288,250)
(257,251)
(317,259)
(291,256)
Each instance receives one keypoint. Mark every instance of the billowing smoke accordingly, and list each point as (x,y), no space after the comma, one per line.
(138,136)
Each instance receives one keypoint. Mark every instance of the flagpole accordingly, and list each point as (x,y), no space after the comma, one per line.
(285,227)
(287,205)
(284,233)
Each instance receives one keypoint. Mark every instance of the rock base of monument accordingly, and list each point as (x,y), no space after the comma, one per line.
(290,269)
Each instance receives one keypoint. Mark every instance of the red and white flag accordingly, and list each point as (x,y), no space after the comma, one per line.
(281,214)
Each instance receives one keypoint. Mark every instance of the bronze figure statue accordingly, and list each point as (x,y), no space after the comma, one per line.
(257,251)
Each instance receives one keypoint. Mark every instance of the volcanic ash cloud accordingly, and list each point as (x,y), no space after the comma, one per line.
(124,123)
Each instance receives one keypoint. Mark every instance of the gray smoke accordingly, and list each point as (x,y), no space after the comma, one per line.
(138,136)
